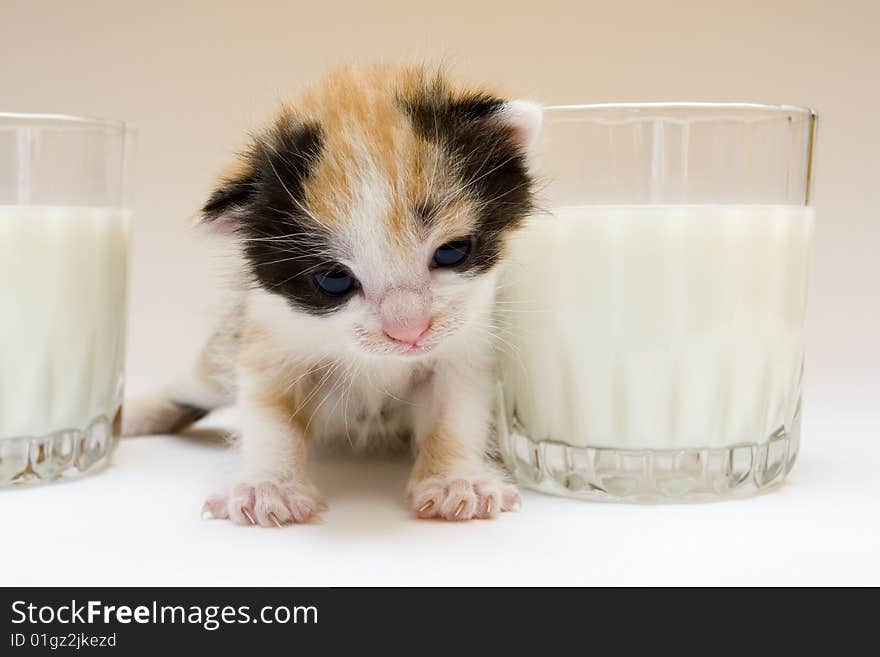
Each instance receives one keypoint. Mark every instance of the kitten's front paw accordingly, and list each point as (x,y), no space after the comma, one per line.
(266,503)
(462,499)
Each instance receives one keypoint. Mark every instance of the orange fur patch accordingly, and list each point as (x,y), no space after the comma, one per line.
(365,129)
(437,455)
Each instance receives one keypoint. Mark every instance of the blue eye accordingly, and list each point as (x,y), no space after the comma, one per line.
(452,253)
(335,282)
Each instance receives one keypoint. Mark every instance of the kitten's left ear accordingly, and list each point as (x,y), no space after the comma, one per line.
(524,118)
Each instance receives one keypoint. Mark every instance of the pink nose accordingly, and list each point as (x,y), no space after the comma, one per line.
(408,332)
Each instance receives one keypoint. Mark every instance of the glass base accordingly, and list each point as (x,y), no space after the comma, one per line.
(651,476)
(61,454)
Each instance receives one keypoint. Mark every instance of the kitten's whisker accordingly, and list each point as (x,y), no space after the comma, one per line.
(385,392)
(503,194)
(333,389)
(309,370)
(317,387)
(507,349)
(296,201)
(355,373)
(308,256)
(298,274)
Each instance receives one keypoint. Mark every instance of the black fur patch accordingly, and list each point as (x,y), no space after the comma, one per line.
(491,163)
(187,414)
(267,204)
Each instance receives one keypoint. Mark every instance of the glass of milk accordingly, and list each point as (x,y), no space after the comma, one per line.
(653,311)
(64,233)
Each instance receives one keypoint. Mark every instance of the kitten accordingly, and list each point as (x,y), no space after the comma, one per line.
(370,218)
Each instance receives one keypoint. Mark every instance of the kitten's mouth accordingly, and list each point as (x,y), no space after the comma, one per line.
(414,344)
(380,343)
(423,345)
(414,349)
(386,346)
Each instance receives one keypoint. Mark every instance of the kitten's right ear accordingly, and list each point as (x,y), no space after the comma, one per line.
(229,202)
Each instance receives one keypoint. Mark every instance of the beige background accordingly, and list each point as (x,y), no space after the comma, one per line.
(193,76)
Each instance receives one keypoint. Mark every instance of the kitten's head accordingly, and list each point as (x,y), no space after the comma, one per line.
(380,202)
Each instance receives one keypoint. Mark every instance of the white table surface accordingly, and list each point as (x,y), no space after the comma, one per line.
(138,523)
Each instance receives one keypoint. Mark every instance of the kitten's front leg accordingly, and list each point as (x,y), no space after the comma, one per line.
(452,477)
(272,487)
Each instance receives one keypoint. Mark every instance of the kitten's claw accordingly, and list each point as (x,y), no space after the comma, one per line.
(266,504)
(463,499)
(215,507)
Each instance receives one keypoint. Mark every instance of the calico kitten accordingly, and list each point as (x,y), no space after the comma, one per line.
(370,218)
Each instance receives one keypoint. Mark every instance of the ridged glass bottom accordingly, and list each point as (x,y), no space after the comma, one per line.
(66,453)
(651,476)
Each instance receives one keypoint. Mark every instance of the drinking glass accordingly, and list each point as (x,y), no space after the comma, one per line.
(64,234)
(653,311)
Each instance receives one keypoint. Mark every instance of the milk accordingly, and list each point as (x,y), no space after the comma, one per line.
(656,326)
(62,320)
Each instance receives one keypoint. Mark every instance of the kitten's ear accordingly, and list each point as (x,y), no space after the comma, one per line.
(524,118)
(228,203)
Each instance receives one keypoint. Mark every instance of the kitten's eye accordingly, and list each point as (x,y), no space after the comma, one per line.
(335,282)
(452,253)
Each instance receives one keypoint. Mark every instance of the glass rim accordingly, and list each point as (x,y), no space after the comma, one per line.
(73,119)
(685,105)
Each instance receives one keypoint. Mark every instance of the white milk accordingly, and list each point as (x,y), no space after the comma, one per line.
(62,316)
(657,326)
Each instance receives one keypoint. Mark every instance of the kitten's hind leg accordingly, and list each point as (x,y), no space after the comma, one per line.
(161,413)
(209,384)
